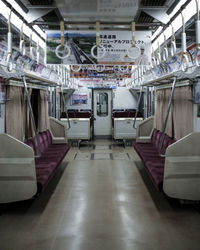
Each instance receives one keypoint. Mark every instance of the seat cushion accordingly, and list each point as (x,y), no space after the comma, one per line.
(154,163)
(44,172)
(156,172)
(157,141)
(153,138)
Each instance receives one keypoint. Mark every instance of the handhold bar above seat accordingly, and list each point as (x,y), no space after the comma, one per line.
(167,116)
(138,104)
(65,108)
(32,117)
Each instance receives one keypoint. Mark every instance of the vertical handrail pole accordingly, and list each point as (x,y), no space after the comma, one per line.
(65,108)
(32,116)
(167,116)
(138,103)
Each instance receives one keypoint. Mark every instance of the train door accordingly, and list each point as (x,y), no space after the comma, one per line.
(102,106)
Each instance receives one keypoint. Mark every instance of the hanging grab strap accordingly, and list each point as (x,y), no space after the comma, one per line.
(197,55)
(158,59)
(165,51)
(22,46)
(63,50)
(31,47)
(9,49)
(138,104)
(133,52)
(38,52)
(32,117)
(173,42)
(167,116)
(133,34)
(98,45)
(185,58)
(153,59)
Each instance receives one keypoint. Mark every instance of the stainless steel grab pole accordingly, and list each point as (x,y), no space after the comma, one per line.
(65,108)
(138,104)
(32,117)
(167,116)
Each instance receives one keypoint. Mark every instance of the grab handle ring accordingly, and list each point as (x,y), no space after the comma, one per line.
(197,55)
(96,56)
(165,51)
(197,37)
(136,50)
(62,54)
(158,57)
(184,47)
(65,48)
(78,68)
(99,68)
(32,52)
(123,68)
(9,49)
(165,54)
(97,45)
(183,67)
(9,62)
(173,48)
(173,43)
(22,47)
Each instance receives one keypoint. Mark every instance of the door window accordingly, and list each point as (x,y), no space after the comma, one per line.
(102,104)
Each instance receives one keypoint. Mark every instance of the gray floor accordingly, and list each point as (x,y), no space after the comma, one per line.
(104,204)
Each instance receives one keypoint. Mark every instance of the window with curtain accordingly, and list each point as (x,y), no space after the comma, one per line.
(180,121)
(43,121)
(14,112)
(182,112)
(29,131)
(40,111)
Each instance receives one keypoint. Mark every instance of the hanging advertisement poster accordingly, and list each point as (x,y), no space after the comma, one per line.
(79,99)
(116,44)
(109,72)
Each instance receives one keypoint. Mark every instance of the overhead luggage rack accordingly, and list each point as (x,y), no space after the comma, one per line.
(17,73)
(192,73)
(25,66)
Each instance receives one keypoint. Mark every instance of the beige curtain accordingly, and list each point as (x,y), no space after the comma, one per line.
(43,121)
(182,112)
(180,121)
(29,130)
(169,128)
(14,112)
(163,96)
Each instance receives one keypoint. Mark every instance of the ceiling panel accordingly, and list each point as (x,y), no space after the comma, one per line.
(102,10)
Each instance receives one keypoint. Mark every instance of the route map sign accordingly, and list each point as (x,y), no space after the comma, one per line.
(116,44)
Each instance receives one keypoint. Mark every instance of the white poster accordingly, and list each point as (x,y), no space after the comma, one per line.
(116,44)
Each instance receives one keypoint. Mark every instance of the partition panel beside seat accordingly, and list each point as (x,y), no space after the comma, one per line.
(22,173)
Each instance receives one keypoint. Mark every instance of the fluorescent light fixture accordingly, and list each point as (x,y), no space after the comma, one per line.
(16,21)
(188,12)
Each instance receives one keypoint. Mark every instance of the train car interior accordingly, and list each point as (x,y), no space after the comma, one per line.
(99,125)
